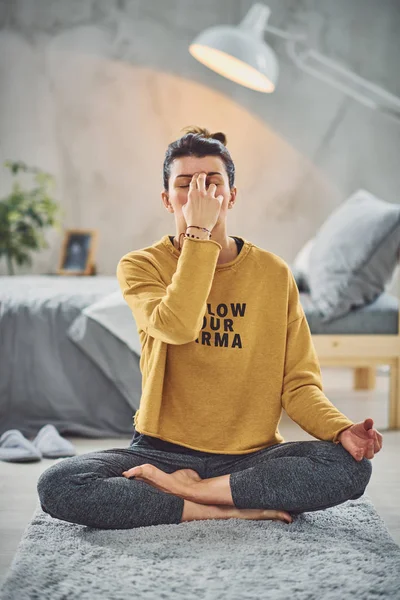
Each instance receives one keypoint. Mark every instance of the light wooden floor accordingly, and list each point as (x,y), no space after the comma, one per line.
(18,494)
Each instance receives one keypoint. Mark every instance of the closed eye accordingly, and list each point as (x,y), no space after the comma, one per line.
(184,186)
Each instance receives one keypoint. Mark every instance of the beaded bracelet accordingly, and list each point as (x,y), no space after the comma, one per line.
(187,235)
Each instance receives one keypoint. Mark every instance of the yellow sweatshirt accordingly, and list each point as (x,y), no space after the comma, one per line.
(224,348)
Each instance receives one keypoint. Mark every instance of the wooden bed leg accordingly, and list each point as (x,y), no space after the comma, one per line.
(364,378)
(394,395)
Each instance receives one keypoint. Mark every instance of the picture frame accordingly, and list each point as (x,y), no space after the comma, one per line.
(78,252)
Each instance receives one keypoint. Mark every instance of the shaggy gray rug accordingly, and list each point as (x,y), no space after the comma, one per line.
(344,552)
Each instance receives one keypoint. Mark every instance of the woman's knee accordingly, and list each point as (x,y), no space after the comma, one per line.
(355,474)
(52,486)
(364,471)
(361,477)
(361,471)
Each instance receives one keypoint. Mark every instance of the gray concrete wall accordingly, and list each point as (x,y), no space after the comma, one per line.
(94,90)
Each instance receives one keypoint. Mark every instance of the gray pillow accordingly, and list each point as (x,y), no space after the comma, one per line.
(300,278)
(354,254)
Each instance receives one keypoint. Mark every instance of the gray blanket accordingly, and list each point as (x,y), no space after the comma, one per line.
(48,377)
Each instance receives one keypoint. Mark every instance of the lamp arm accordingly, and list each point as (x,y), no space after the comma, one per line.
(360,89)
(386,102)
(285,34)
(299,60)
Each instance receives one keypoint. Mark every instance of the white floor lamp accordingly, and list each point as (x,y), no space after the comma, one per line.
(241,54)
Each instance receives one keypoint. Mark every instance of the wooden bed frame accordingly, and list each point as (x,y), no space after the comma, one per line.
(365,353)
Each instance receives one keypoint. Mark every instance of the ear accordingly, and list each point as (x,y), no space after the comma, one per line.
(165,200)
(233,195)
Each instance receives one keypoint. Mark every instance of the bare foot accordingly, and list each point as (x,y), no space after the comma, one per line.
(260,514)
(179,481)
(175,483)
(186,476)
(200,512)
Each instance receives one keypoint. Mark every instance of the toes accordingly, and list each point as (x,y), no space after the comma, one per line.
(134,472)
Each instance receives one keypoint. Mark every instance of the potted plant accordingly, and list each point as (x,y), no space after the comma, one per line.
(24,214)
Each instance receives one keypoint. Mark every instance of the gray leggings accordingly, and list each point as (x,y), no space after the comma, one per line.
(293,476)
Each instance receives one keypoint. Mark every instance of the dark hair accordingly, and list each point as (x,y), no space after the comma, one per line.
(199,142)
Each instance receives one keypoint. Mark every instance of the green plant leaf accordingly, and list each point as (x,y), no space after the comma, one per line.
(25,213)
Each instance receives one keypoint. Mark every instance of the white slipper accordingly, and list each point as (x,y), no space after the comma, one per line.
(51,445)
(14,447)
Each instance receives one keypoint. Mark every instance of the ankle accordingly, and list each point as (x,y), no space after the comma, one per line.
(201,512)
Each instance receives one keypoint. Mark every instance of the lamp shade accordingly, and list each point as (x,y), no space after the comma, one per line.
(240,53)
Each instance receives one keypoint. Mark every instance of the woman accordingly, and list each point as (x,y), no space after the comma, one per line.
(225,346)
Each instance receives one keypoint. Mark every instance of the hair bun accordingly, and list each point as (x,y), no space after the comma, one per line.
(202,131)
(219,136)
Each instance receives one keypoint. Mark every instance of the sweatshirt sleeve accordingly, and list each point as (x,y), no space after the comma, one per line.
(302,395)
(174,313)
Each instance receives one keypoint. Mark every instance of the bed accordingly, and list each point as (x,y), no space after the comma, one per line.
(59,366)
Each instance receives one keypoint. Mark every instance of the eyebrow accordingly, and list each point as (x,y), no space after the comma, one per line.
(210,173)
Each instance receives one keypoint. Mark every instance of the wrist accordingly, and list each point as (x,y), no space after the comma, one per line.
(199,232)
(202,235)
(344,431)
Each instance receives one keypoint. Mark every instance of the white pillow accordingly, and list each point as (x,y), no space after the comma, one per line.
(302,260)
(113,313)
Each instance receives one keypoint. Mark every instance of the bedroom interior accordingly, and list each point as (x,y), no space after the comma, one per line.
(91,94)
